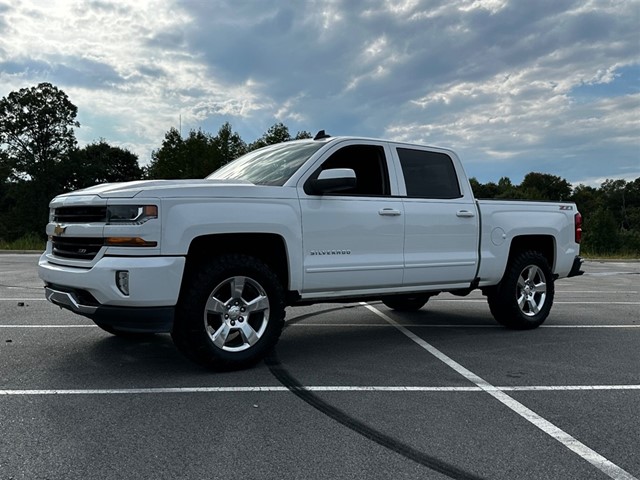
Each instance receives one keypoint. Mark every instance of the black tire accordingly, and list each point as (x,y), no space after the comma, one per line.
(406,303)
(230,314)
(524,297)
(124,333)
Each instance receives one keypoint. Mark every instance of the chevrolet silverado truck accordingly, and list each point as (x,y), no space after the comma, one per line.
(216,261)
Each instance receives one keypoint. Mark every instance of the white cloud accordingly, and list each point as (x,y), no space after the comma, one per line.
(515,86)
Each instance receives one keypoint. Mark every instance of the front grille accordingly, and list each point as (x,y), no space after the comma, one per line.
(85,248)
(80,214)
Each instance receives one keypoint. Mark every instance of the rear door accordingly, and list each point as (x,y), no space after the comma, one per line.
(353,240)
(441,220)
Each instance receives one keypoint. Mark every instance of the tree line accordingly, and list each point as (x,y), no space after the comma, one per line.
(40,158)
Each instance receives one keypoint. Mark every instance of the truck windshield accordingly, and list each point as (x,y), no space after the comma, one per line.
(271,165)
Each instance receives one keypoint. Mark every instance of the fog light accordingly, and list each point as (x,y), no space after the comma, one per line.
(122,281)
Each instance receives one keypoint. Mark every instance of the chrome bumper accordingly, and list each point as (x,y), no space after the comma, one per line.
(69,301)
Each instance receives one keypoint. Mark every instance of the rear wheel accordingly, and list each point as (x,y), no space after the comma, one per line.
(231,313)
(524,297)
(406,303)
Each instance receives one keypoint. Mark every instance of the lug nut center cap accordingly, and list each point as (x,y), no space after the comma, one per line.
(234,312)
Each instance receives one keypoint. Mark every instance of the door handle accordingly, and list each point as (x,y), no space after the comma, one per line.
(390,212)
(465,214)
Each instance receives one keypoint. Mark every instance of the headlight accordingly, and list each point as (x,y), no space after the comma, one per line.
(131,214)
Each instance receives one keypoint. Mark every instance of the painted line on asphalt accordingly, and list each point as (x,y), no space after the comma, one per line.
(555,302)
(413,325)
(594,458)
(48,326)
(596,291)
(367,325)
(22,299)
(401,389)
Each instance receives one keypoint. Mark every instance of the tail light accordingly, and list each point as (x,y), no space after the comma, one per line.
(578,224)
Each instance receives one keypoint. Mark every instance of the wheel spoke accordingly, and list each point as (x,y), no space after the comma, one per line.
(215,306)
(521,281)
(258,304)
(248,333)
(533,305)
(220,336)
(541,287)
(533,271)
(521,301)
(237,286)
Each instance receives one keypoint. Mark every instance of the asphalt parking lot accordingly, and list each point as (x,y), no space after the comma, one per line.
(353,391)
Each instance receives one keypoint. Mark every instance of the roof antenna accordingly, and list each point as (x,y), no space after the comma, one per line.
(320,135)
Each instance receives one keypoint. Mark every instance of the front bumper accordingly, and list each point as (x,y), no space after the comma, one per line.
(130,319)
(154,286)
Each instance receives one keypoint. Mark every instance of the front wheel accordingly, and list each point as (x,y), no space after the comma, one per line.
(231,313)
(524,297)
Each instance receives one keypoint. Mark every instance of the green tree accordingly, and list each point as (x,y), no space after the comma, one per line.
(302,134)
(480,190)
(601,235)
(229,144)
(614,197)
(166,161)
(193,157)
(36,130)
(588,199)
(100,162)
(507,190)
(543,186)
(277,133)
(36,136)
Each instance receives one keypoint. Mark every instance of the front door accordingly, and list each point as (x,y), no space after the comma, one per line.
(353,240)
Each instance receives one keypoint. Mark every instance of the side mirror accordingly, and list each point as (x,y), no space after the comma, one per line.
(333,180)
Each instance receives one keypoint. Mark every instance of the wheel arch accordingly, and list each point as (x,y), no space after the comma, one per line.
(543,244)
(269,248)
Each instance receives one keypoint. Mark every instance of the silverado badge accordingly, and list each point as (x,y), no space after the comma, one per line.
(59,230)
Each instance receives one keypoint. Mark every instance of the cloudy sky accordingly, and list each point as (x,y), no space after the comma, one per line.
(513,85)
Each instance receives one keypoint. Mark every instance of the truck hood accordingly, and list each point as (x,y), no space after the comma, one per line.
(167,188)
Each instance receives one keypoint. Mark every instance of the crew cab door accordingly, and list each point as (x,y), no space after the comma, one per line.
(441,219)
(352,239)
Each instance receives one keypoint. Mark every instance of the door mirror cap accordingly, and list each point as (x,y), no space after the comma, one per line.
(333,180)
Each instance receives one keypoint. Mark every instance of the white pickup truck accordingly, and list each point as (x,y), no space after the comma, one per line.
(330,219)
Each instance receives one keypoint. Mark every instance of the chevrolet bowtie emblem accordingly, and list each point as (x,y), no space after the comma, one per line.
(59,229)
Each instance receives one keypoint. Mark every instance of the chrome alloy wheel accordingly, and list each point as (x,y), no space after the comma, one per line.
(531,291)
(236,314)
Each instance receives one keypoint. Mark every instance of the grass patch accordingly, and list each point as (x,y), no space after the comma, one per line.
(28,242)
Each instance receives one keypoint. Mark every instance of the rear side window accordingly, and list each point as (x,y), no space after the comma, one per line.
(428,174)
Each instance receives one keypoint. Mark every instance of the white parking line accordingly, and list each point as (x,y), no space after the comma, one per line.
(413,325)
(555,302)
(600,292)
(340,388)
(591,456)
(48,326)
(23,299)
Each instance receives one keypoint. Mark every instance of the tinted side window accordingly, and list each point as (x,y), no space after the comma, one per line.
(428,174)
(368,162)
